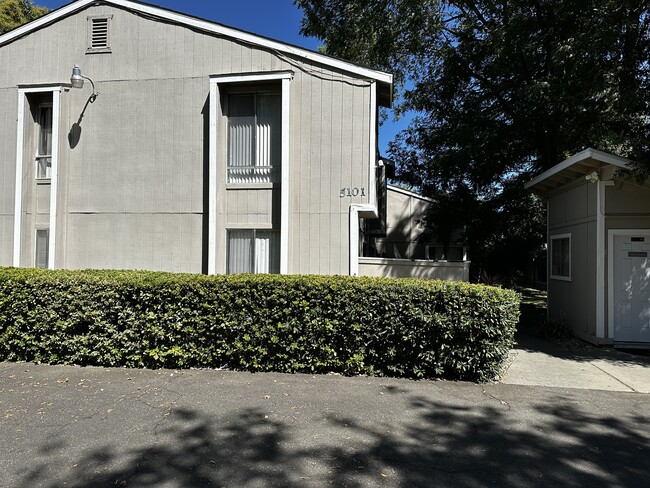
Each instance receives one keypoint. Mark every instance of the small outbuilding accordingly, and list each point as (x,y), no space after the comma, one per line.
(598,247)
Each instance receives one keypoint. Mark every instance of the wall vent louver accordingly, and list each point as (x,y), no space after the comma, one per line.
(99,34)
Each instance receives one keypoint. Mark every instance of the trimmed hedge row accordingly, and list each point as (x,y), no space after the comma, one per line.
(393,327)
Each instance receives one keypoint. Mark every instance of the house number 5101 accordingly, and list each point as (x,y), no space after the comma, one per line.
(352,192)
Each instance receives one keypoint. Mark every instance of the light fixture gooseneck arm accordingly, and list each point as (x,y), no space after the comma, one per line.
(77,81)
(93,97)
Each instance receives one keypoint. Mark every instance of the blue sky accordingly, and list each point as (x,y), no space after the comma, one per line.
(278,19)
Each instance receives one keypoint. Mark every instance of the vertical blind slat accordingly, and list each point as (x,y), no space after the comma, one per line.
(241,128)
(253,251)
(239,251)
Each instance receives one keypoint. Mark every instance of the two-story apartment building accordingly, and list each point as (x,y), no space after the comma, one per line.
(136,137)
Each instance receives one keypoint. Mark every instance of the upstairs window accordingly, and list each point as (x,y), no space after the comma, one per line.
(44,144)
(99,30)
(561,257)
(254,138)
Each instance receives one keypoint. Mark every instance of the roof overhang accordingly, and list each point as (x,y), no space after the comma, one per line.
(384,80)
(397,189)
(577,166)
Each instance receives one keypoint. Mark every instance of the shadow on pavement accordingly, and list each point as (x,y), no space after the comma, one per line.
(447,445)
(575,349)
(530,337)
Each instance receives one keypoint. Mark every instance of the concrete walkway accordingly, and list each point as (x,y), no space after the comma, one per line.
(537,362)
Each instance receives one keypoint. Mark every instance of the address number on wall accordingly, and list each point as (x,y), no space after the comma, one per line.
(352,192)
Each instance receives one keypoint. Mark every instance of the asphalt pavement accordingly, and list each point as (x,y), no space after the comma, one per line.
(65,426)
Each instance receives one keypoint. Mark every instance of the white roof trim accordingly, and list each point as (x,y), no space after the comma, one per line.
(250,77)
(204,25)
(409,193)
(588,153)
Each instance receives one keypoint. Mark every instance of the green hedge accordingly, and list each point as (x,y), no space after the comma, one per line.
(392,327)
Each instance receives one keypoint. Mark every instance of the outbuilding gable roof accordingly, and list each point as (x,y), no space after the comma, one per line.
(577,166)
(384,80)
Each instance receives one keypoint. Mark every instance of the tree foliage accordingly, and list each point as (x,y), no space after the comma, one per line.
(14,13)
(502,89)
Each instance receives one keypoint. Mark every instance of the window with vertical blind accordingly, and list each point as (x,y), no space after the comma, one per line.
(253,251)
(42,248)
(254,137)
(44,142)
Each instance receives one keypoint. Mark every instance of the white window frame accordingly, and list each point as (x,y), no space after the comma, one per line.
(559,237)
(217,233)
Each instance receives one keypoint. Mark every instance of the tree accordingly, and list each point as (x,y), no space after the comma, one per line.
(14,13)
(502,89)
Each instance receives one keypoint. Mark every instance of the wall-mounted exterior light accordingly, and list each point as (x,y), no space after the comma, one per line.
(77,81)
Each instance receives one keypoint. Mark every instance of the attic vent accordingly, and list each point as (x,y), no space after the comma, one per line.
(99,34)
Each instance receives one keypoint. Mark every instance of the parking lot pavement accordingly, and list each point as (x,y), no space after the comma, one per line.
(102,427)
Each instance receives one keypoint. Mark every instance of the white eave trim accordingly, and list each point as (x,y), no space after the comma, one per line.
(204,25)
(589,153)
(252,77)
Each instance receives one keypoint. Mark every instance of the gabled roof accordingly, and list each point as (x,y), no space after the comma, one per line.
(385,80)
(409,193)
(577,166)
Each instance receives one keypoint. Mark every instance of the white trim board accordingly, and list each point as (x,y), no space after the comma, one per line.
(54,181)
(285,189)
(368,210)
(372,164)
(205,25)
(216,233)
(356,210)
(212,175)
(18,197)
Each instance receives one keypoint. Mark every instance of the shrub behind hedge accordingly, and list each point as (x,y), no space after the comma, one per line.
(392,327)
